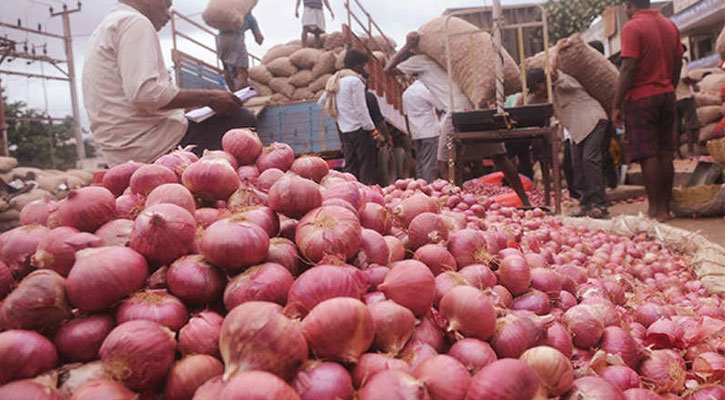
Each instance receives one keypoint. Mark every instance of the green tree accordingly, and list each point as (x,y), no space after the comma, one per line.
(567,17)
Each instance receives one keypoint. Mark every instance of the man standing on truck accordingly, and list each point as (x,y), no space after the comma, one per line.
(645,100)
(313,19)
(232,50)
(136,111)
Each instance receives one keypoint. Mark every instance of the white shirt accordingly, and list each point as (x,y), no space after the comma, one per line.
(125,85)
(419,106)
(352,109)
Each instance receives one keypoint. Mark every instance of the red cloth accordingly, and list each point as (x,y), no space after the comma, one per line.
(654,42)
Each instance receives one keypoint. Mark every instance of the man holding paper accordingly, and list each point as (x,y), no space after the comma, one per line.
(136,111)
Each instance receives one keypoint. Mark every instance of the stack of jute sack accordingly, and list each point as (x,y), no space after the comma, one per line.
(289,72)
(709,102)
(720,45)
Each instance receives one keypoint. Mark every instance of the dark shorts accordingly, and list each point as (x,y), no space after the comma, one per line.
(650,126)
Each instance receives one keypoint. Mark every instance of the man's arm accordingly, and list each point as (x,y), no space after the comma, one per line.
(676,74)
(254,26)
(327,4)
(626,78)
(297,9)
(219,100)
(409,48)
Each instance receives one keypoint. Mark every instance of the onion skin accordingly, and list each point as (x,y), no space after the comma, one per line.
(103,389)
(257,385)
(515,274)
(257,336)
(393,385)
(427,228)
(664,371)
(101,277)
(374,249)
(474,354)
(37,212)
(38,303)
(412,207)
(268,177)
(195,281)
(444,377)
(469,312)
(188,374)
(7,282)
(210,390)
(479,276)
(708,393)
(322,283)
(375,276)
(243,144)
(709,366)
(262,216)
(394,326)
(139,353)
(641,394)
(397,250)
(246,196)
(584,324)
(469,247)
(372,363)
(436,257)
(201,334)
(29,390)
(329,230)
(616,340)
(177,161)
(376,217)
(172,193)
(445,282)
(154,305)
(312,168)
(410,284)
(429,332)
(148,177)
(294,196)
(416,353)
(248,173)
(24,354)
(72,376)
(345,191)
(117,179)
(546,280)
(323,380)
(534,301)
(284,252)
(505,379)
(211,179)
(80,339)
(57,251)
(276,155)
(163,233)
(594,388)
(350,318)
(620,376)
(515,333)
(232,245)
(268,282)
(558,337)
(18,245)
(552,367)
(116,232)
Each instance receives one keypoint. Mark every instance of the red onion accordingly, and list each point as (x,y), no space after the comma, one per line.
(620,376)
(664,334)
(584,324)
(709,367)
(24,354)
(594,388)
(103,389)
(373,297)
(243,144)
(248,173)
(201,334)
(268,282)
(412,207)
(172,193)
(394,325)
(101,277)
(397,250)
(149,176)
(469,312)
(211,179)
(29,390)
(552,367)
(288,228)
(79,339)
(57,251)
(265,217)
(663,371)
(505,379)
(220,155)
(616,340)
(85,209)
(348,192)
(410,284)
(352,322)
(416,353)
(163,233)
(444,377)
(38,303)
(375,276)
(515,333)
(207,216)
(284,252)
(254,385)
(374,249)
(294,196)
(427,228)
(445,282)
(118,178)
(312,168)
(37,212)
(376,217)
(479,276)
(195,281)
(257,336)
(233,245)
(514,274)
(469,247)
(116,232)
(648,313)
(474,354)
(641,394)
(566,301)
(534,301)
(7,282)
(429,332)
(188,374)
(323,380)
(558,337)
(329,230)
(129,205)
(269,177)
(393,384)
(708,393)
(436,257)
(154,305)
(322,283)
(211,389)
(547,281)
(276,155)
(246,196)
(178,160)
(372,363)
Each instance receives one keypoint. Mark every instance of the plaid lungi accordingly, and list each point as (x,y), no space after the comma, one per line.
(650,126)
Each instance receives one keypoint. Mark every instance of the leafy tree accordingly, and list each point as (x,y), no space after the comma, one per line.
(567,17)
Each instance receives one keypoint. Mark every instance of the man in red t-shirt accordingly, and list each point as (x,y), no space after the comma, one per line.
(645,100)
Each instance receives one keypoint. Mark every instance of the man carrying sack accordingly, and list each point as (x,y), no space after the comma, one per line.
(313,19)
(645,99)
(232,50)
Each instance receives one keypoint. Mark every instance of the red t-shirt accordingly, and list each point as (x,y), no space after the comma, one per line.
(654,42)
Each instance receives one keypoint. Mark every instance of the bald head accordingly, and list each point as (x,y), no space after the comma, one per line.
(158,11)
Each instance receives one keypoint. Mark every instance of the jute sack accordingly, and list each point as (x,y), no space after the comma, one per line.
(472,67)
(720,44)
(282,86)
(709,114)
(301,79)
(305,58)
(319,83)
(85,176)
(707,132)
(227,15)
(699,201)
(378,43)
(511,75)
(281,50)
(705,99)
(282,67)
(7,164)
(324,65)
(303,94)
(712,83)
(262,89)
(334,40)
(9,215)
(598,76)
(261,74)
(698,73)
(20,201)
(538,60)
(279,98)
(340,60)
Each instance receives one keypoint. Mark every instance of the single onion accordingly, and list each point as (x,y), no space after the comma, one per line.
(664,371)
(393,385)
(163,233)
(469,312)
(103,389)
(500,296)
(558,337)
(553,368)
(276,155)
(376,217)
(246,196)
(374,249)
(352,323)
(479,276)
(412,207)
(515,333)
(129,205)
(194,281)
(38,303)
(201,334)
(375,276)
(154,305)
(329,230)
(211,389)
(708,393)
(257,336)
(515,274)
(57,251)
(309,167)
(584,324)
(37,212)
(86,209)
(505,379)
(79,339)
(284,252)
(373,297)
(30,389)
(617,341)
(24,354)
(648,313)
(410,284)
(243,144)
(288,228)
(444,377)
(642,394)
(116,232)
(172,193)
(372,363)
(7,282)
(445,282)
(620,376)
(469,246)
(566,301)
(294,196)
(262,216)
(188,374)
(663,334)
(394,326)
(397,250)
(347,191)
(534,301)
(256,385)
(268,282)
(436,257)
(429,332)
(323,380)
(233,245)
(427,228)
(117,179)
(590,387)
(269,177)
(149,176)
(709,366)
(474,354)
(211,179)
(178,160)
(101,277)
(248,173)
(546,280)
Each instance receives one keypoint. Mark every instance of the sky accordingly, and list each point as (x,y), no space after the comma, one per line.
(276,19)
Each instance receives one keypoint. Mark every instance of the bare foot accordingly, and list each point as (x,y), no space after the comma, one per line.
(663,217)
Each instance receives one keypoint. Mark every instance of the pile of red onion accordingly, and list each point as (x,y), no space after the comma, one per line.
(247,274)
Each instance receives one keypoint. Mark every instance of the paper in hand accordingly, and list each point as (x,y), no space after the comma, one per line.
(202,114)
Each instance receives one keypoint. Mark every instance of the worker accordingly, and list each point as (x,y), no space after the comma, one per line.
(645,100)
(313,19)
(232,51)
(422,121)
(520,151)
(135,110)
(344,100)
(385,169)
(609,167)
(687,122)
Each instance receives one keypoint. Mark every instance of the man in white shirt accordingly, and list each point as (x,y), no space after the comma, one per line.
(422,117)
(136,111)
